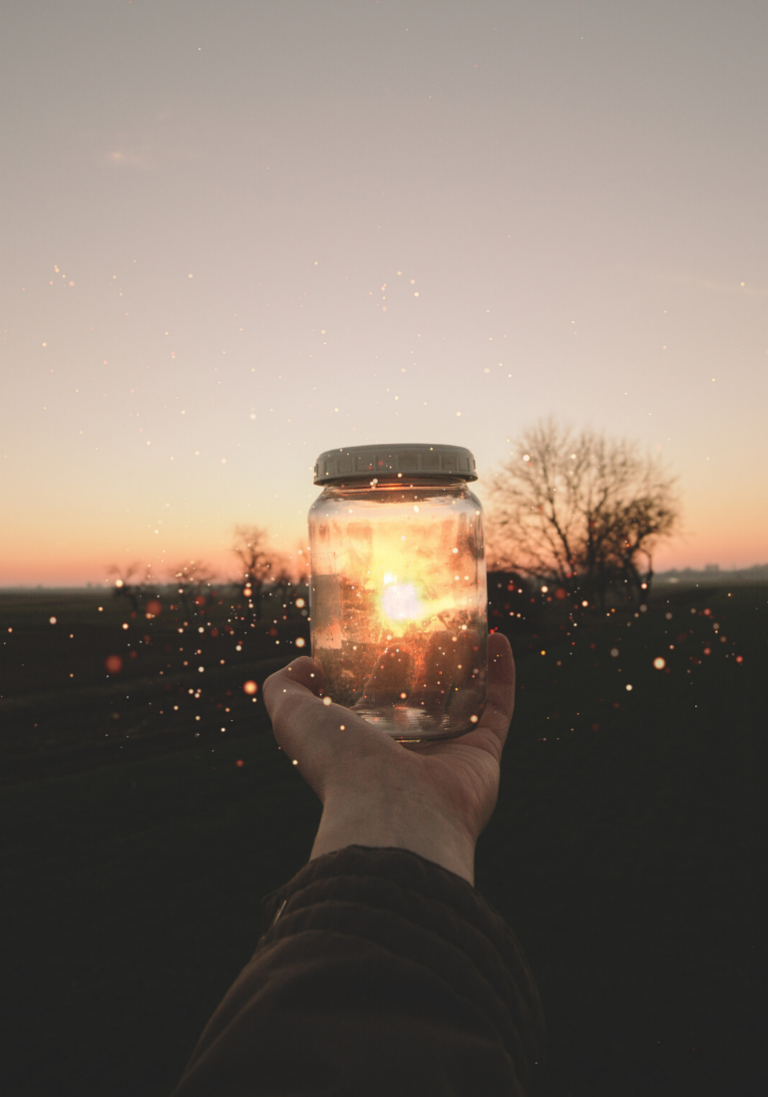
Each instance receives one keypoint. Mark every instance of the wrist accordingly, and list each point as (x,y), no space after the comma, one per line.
(398,823)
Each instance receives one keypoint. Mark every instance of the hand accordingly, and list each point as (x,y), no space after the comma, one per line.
(434,798)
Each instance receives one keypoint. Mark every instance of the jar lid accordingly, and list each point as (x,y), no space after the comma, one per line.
(379,462)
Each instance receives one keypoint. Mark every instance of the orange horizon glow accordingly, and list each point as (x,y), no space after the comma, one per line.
(80,569)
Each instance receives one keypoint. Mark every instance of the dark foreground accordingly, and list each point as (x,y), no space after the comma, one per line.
(628,849)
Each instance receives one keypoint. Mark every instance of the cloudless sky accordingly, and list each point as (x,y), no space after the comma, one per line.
(236,234)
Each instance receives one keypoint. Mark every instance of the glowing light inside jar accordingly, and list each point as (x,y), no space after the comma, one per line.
(400,601)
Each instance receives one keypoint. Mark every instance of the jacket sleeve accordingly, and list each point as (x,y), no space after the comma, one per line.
(379,973)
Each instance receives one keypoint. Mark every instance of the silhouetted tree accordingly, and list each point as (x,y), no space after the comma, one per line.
(127,584)
(257,562)
(193,582)
(584,510)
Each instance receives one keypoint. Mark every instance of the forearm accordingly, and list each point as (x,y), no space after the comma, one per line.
(389,821)
(390,975)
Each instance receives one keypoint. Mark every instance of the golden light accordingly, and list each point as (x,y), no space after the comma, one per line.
(300,603)
(250,687)
(114,664)
(659,663)
(153,608)
(398,602)
(300,641)
(119,583)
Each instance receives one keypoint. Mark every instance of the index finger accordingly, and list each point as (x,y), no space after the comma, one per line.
(303,674)
(501,688)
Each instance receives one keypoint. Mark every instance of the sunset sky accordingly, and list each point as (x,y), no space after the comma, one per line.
(236,234)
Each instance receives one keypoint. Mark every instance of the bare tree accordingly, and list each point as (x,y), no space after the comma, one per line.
(584,510)
(257,562)
(193,581)
(128,583)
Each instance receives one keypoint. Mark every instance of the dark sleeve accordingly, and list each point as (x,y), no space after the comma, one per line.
(379,973)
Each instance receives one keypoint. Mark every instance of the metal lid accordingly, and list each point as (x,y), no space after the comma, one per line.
(369,462)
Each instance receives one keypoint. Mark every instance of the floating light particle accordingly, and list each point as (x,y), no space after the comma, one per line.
(114,664)
(615,653)
(300,641)
(544,590)
(542,652)
(201,670)
(295,761)
(342,727)
(473,719)
(739,658)
(300,603)
(250,687)
(403,696)
(585,603)
(326,700)
(668,616)
(51,620)
(707,651)
(628,687)
(659,663)
(239,763)
(526,456)
(125,625)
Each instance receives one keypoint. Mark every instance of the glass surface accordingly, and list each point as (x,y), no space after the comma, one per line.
(398,603)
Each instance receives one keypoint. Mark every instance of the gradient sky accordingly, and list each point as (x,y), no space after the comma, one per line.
(236,234)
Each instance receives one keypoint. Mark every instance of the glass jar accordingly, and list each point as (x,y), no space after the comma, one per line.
(398,595)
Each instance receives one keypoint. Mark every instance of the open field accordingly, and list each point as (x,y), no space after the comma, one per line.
(628,849)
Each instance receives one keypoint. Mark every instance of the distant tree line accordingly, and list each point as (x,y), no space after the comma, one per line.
(262,572)
(580,510)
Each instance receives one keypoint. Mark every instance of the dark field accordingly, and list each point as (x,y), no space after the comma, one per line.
(628,849)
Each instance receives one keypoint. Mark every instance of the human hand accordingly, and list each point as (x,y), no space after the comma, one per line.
(434,798)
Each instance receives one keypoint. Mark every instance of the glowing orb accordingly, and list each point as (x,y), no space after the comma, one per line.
(401,602)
